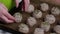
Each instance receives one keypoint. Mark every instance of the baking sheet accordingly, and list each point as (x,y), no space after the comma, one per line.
(36,3)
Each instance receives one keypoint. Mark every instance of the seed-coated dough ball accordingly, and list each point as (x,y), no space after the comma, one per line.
(31,21)
(30,8)
(39,31)
(23,28)
(55,11)
(37,14)
(18,17)
(57,29)
(44,6)
(45,26)
(50,19)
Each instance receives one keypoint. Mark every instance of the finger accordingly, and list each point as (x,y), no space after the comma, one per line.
(26,4)
(17,3)
(6,19)
(57,1)
(5,12)
(3,6)
(9,16)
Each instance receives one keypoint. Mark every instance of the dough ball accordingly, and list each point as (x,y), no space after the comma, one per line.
(23,28)
(31,21)
(39,31)
(55,11)
(30,8)
(44,6)
(37,14)
(57,29)
(18,17)
(45,26)
(50,19)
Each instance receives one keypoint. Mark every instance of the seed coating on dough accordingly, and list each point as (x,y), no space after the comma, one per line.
(55,11)
(50,19)
(23,28)
(39,31)
(18,17)
(30,8)
(57,29)
(31,21)
(45,26)
(44,6)
(37,14)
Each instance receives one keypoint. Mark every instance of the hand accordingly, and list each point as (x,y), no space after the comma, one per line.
(25,6)
(4,15)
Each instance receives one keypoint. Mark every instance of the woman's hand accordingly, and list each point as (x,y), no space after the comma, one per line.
(25,5)
(4,15)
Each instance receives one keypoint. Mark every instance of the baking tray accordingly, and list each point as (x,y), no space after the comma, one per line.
(14,26)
